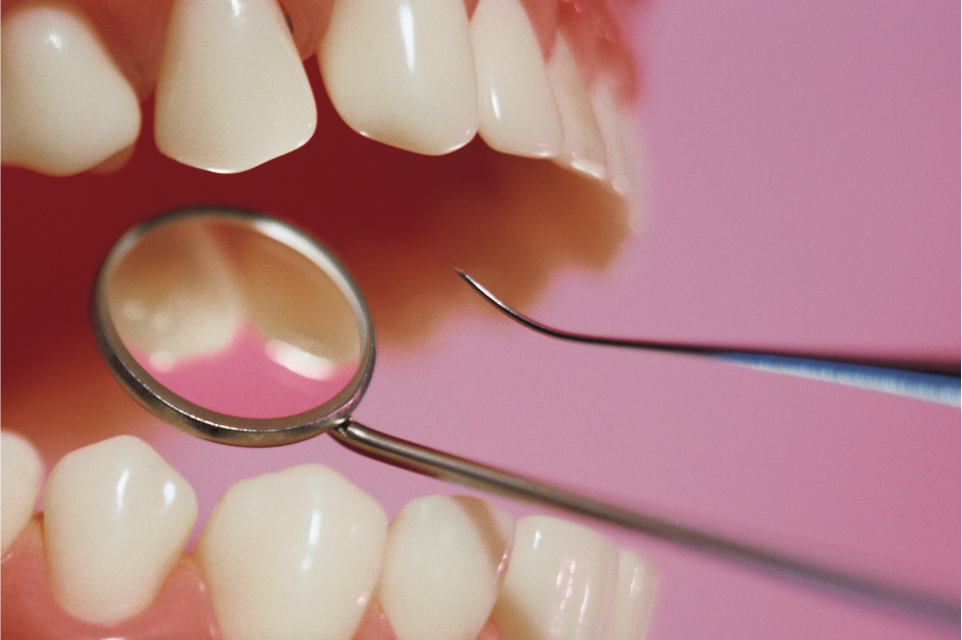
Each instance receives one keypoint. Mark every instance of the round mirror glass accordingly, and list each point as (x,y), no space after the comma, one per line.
(236,313)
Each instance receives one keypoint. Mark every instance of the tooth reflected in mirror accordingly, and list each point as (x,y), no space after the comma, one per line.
(232,319)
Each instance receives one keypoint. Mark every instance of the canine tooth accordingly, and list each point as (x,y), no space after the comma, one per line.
(293,554)
(560,582)
(116,519)
(174,296)
(629,611)
(20,484)
(517,109)
(584,148)
(232,92)
(66,107)
(441,567)
(402,72)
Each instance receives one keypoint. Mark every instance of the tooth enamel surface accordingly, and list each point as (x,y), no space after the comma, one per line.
(609,119)
(584,147)
(20,485)
(402,72)
(293,554)
(232,92)
(636,587)
(65,105)
(517,109)
(441,567)
(173,296)
(560,582)
(116,519)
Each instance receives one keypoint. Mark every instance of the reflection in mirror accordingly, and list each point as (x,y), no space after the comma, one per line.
(234,320)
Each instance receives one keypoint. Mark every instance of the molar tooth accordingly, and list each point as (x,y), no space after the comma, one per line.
(584,147)
(116,519)
(293,554)
(66,107)
(517,108)
(636,587)
(401,72)
(560,582)
(232,92)
(442,567)
(20,482)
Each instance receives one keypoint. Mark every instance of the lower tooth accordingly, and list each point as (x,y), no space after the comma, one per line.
(442,567)
(560,582)
(20,485)
(232,91)
(629,611)
(584,147)
(66,107)
(293,554)
(116,519)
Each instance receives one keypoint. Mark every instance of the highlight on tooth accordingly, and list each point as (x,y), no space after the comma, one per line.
(232,92)
(66,107)
(293,554)
(116,519)
(401,72)
(20,485)
(560,583)
(442,567)
(517,109)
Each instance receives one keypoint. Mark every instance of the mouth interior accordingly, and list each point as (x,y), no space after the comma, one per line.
(399,222)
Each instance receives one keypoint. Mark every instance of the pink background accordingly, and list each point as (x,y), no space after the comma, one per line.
(802,190)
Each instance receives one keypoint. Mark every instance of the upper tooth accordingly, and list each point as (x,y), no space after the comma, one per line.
(636,587)
(66,107)
(441,567)
(20,485)
(584,148)
(116,519)
(617,130)
(518,113)
(617,148)
(560,582)
(401,72)
(293,554)
(232,91)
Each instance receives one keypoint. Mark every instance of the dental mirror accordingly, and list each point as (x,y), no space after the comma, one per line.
(253,304)
(226,295)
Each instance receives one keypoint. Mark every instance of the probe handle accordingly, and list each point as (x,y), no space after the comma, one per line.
(443,466)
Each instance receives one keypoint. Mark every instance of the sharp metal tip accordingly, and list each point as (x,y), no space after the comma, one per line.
(930,381)
(501,306)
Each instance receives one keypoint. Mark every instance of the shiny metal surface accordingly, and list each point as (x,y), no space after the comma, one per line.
(443,466)
(211,425)
(334,416)
(931,381)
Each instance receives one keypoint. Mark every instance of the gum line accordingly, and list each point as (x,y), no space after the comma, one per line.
(135,35)
(182,609)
